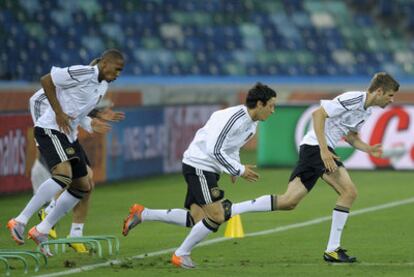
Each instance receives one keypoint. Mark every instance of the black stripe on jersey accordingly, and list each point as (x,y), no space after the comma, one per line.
(80,72)
(71,76)
(343,105)
(359,123)
(352,101)
(37,105)
(220,140)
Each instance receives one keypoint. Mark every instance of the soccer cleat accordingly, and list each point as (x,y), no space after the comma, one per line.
(38,238)
(42,215)
(78,247)
(16,230)
(182,261)
(338,256)
(134,218)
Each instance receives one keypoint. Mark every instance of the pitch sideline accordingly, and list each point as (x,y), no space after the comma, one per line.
(254,234)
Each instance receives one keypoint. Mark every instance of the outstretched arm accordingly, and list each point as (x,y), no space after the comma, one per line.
(353,139)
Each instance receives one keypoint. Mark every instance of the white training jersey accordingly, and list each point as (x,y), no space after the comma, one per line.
(346,113)
(38,104)
(78,91)
(216,145)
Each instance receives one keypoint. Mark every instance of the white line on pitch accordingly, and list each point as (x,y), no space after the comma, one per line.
(254,234)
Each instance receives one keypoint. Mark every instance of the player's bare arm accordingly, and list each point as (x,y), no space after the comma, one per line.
(354,139)
(100,126)
(249,174)
(109,115)
(319,117)
(62,119)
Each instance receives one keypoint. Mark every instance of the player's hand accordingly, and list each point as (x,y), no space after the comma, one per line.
(233,179)
(328,159)
(375,150)
(63,121)
(100,126)
(109,115)
(249,174)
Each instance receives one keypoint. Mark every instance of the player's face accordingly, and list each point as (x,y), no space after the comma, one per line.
(385,98)
(267,110)
(111,69)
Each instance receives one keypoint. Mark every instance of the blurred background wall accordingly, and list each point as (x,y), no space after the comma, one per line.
(186,58)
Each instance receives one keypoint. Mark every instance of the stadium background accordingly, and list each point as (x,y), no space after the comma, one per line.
(186,58)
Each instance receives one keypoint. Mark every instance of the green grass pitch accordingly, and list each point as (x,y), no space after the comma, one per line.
(383,240)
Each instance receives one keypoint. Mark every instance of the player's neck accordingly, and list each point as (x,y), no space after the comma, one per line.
(370,100)
(252,114)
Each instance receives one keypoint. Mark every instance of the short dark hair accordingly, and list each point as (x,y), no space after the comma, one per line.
(383,80)
(112,54)
(260,93)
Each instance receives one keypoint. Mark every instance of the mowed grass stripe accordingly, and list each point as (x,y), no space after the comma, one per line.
(253,234)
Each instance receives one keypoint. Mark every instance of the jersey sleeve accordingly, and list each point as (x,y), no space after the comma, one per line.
(86,124)
(342,103)
(71,76)
(219,138)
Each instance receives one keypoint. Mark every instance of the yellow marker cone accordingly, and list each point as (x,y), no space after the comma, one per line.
(234,228)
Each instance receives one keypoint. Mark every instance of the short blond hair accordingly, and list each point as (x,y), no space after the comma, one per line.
(383,80)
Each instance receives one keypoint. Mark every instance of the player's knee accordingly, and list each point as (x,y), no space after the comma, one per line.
(77,192)
(350,193)
(211,224)
(217,216)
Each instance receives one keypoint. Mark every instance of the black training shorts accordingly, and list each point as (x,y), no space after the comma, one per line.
(310,165)
(202,186)
(55,148)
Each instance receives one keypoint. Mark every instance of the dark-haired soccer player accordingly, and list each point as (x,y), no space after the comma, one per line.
(214,149)
(72,92)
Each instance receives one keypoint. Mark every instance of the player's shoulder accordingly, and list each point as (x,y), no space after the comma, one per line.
(351,99)
(233,114)
(81,70)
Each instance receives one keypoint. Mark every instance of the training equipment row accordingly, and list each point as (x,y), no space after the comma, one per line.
(93,243)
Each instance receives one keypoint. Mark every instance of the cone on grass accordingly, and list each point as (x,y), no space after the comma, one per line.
(234,228)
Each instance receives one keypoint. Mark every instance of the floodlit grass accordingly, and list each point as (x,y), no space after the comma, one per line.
(382,240)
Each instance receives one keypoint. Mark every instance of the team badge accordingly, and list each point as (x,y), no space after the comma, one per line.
(70,151)
(215,192)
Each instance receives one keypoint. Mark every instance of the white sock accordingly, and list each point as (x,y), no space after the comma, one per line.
(50,207)
(197,234)
(45,192)
(173,216)
(261,204)
(338,222)
(64,203)
(76,230)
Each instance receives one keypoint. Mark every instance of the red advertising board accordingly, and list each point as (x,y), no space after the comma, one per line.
(16,152)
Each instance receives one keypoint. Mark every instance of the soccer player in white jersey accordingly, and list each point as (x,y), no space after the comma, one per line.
(72,92)
(214,149)
(38,104)
(341,117)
